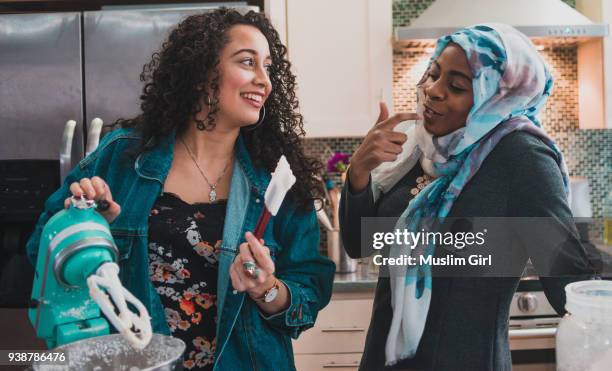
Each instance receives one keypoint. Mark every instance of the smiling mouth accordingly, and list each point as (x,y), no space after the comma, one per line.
(253,97)
(431,111)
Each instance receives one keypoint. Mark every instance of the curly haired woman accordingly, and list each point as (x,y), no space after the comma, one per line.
(190,172)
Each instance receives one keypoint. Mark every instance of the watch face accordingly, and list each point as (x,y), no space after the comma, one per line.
(271,295)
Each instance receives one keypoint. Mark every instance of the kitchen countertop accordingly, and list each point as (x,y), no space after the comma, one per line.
(360,280)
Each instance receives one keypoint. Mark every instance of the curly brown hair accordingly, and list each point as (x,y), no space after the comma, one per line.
(188,60)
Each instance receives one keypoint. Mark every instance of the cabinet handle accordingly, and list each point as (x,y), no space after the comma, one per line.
(93,135)
(65,156)
(343,329)
(341,365)
(532,333)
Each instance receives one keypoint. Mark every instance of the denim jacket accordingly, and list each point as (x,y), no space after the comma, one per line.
(247,339)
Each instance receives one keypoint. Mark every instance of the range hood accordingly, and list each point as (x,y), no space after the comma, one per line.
(535,18)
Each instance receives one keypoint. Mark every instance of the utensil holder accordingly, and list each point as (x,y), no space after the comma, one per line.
(336,252)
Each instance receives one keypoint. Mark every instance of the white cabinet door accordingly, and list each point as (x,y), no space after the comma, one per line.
(341,52)
(595,70)
(341,327)
(327,362)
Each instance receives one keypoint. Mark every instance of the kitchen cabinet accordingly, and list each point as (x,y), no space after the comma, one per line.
(595,70)
(338,337)
(324,362)
(341,52)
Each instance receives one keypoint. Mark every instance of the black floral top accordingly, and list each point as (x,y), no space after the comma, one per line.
(183,243)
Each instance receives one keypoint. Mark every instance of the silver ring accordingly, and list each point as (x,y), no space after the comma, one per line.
(251,268)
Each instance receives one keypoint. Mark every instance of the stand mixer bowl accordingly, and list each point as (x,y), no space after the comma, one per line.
(113,352)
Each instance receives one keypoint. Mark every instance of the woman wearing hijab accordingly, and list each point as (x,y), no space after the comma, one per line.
(479,152)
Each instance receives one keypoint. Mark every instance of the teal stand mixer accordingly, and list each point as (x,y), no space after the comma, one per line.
(76,271)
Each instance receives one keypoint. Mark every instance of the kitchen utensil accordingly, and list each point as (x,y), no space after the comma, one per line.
(327,184)
(334,201)
(322,215)
(76,260)
(282,180)
(336,252)
(134,326)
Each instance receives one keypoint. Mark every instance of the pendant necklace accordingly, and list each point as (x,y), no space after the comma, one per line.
(212,195)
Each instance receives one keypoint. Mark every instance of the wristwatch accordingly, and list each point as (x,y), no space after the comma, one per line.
(270,293)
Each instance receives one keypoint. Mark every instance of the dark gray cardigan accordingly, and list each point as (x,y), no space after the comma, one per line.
(467,323)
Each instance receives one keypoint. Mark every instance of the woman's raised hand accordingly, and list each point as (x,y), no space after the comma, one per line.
(381,144)
(96,189)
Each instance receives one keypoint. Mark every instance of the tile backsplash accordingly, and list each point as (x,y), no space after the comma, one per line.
(588,153)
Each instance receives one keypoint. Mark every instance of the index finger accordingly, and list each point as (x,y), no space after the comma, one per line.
(384,112)
(392,121)
(245,253)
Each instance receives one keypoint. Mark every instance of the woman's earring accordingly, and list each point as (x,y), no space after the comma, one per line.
(258,123)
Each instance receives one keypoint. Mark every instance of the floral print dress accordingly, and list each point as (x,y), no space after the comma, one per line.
(183,243)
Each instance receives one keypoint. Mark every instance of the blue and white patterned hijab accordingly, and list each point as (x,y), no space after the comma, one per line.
(511,84)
